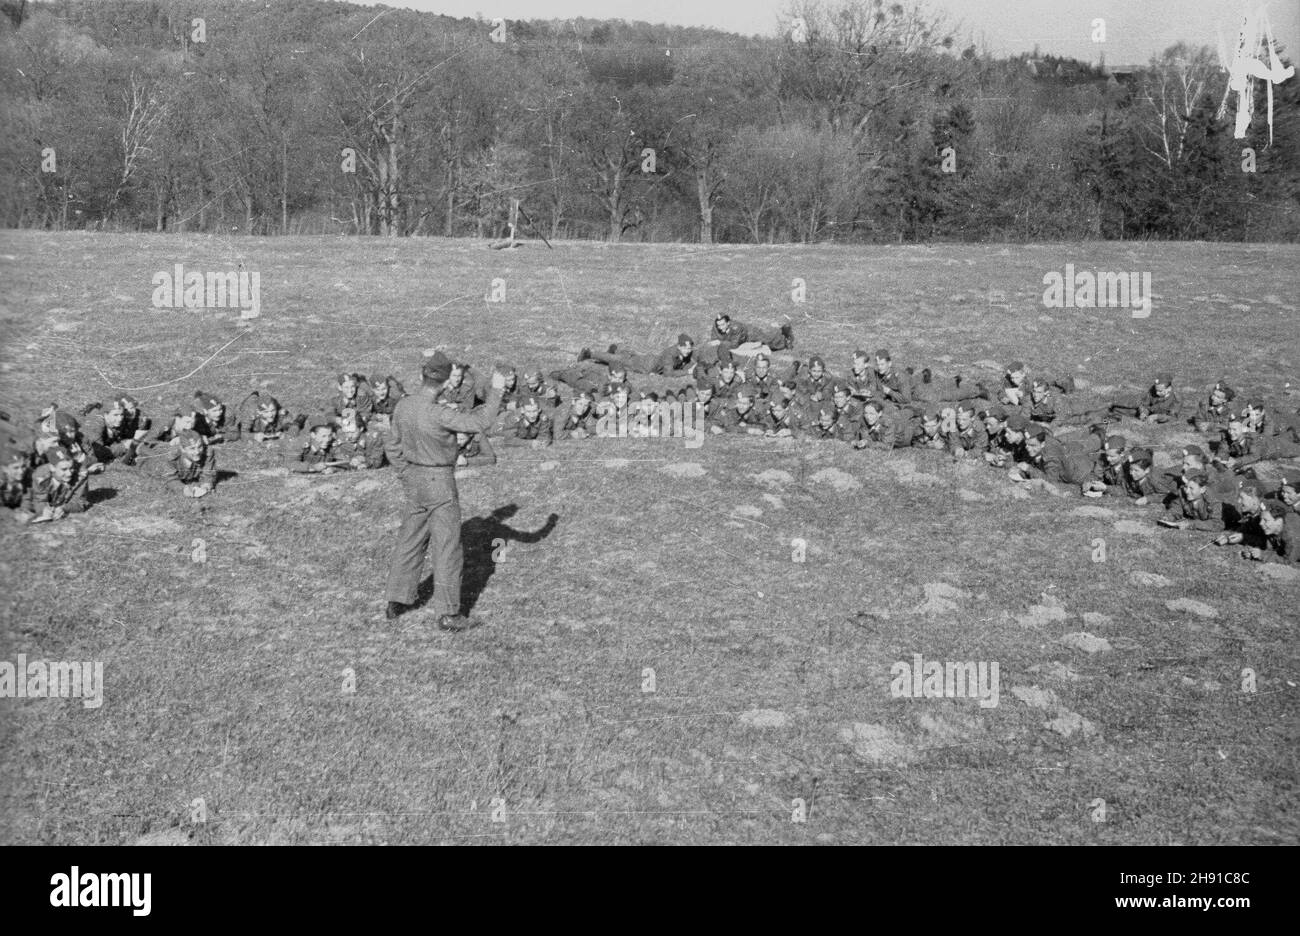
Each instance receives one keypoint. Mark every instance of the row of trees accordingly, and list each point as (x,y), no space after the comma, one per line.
(863,120)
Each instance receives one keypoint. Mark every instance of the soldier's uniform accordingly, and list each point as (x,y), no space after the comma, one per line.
(1213,412)
(212,421)
(353,392)
(783,421)
(355,444)
(52,492)
(15,472)
(970,438)
(522,426)
(312,452)
(827,428)
(670,361)
(1159,403)
(474,451)
(1058,462)
(464,395)
(546,395)
(888,383)
(135,424)
(578,419)
(742,416)
(1197,512)
(105,439)
(861,380)
(1281,544)
(179,470)
(884,426)
(816,385)
(928,432)
(270,421)
(385,393)
(1141,481)
(422,447)
(1238,448)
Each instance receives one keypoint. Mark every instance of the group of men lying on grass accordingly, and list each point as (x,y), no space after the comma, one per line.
(1242,484)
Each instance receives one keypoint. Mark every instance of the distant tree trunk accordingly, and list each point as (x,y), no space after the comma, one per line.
(704,192)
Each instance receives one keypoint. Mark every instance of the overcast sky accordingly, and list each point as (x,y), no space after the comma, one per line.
(1135,29)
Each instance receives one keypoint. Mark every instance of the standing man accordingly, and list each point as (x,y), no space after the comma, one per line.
(421,444)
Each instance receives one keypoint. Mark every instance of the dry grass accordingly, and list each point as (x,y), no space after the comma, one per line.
(224,679)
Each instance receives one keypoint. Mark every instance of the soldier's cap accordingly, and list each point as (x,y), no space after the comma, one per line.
(1015,366)
(1165,378)
(777,403)
(1256,403)
(1291,478)
(320,421)
(205,401)
(530,401)
(816,359)
(1200,477)
(651,397)
(743,394)
(875,404)
(790,385)
(187,437)
(965,406)
(684,338)
(1039,382)
(1228,392)
(884,354)
(931,415)
(721,316)
(705,387)
(1252,486)
(126,400)
(839,388)
(436,368)
(1142,457)
(530,372)
(762,357)
(1236,417)
(1040,434)
(1017,422)
(995,411)
(1116,443)
(725,358)
(824,413)
(57,453)
(1195,451)
(583,395)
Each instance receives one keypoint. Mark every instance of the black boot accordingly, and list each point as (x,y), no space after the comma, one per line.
(584,354)
(394,609)
(613,349)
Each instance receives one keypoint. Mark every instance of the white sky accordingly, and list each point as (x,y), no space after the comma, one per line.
(1135,29)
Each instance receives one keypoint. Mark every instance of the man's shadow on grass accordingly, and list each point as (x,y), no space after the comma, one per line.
(480,537)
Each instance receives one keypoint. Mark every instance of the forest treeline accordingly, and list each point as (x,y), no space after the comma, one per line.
(862,120)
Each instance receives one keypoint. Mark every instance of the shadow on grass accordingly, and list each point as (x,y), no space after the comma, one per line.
(98,495)
(477,536)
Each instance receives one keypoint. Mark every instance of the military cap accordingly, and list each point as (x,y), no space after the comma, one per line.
(1165,378)
(1015,366)
(1194,450)
(436,367)
(684,338)
(1116,442)
(1017,422)
(57,453)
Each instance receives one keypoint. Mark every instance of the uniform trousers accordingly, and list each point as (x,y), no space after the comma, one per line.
(432,515)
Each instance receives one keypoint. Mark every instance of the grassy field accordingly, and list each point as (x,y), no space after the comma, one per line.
(669,569)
